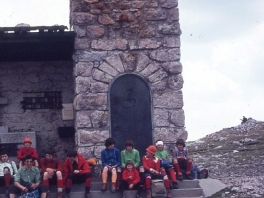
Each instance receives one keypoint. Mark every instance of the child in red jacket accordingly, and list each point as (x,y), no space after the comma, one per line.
(76,169)
(130,179)
(152,170)
(27,150)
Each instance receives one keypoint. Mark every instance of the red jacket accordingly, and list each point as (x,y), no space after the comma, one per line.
(53,164)
(135,176)
(149,163)
(83,166)
(23,151)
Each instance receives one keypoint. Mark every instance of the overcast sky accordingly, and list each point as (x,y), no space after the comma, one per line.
(222,56)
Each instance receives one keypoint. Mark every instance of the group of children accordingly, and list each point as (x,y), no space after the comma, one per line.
(127,173)
(125,168)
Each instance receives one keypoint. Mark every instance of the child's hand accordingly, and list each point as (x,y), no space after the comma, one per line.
(131,186)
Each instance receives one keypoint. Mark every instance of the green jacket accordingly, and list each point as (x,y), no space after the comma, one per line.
(162,155)
(27,177)
(132,155)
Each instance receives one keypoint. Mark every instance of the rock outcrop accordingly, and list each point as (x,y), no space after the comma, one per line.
(236,157)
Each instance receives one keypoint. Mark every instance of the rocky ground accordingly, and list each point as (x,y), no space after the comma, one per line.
(236,157)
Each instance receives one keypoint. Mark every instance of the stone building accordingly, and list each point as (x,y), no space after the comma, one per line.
(124,79)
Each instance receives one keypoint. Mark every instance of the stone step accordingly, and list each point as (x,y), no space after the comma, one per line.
(187,188)
(188,193)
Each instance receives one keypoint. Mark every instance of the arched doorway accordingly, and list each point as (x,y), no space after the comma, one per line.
(130,108)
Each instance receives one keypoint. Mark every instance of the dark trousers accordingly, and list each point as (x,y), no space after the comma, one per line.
(124,185)
(78,178)
(15,190)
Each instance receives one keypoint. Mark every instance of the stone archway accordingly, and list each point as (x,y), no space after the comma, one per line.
(130,112)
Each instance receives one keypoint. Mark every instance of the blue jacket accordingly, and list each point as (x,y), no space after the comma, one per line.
(111,157)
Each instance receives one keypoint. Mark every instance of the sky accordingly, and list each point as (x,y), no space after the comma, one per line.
(221,53)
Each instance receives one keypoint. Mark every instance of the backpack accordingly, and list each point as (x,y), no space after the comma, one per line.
(32,194)
(157,187)
(204,173)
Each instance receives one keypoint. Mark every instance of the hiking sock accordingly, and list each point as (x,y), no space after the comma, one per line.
(88,182)
(189,166)
(7,178)
(177,169)
(167,183)
(148,183)
(59,185)
(172,175)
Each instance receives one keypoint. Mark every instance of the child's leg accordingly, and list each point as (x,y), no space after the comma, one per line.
(104,178)
(189,166)
(141,175)
(114,178)
(173,177)
(119,175)
(177,167)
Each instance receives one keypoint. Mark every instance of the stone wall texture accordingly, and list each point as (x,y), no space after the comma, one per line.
(16,78)
(119,37)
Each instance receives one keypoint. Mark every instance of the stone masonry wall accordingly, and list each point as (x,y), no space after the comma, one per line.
(119,37)
(15,78)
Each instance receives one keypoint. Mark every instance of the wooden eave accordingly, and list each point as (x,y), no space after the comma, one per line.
(45,44)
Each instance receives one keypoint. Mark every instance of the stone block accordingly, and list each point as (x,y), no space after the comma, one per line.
(3,129)
(155,14)
(166,55)
(169,100)
(3,101)
(17,138)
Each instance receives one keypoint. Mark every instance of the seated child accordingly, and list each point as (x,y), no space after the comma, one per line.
(132,154)
(151,165)
(51,169)
(111,162)
(182,160)
(27,150)
(165,162)
(76,170)
(7,170)
(130,179)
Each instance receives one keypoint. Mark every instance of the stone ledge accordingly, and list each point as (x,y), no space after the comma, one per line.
(17,138)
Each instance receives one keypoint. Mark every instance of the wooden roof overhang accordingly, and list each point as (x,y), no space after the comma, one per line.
(46,43)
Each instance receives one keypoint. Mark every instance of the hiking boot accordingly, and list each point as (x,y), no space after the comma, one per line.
(174,185)
(88,195)
(148,194)
(138,196)
(103,188)
(180,177)
(113,188)
(189,177)
(59,195)
(169,194)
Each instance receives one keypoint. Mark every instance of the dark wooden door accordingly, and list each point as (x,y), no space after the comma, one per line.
(130,107)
